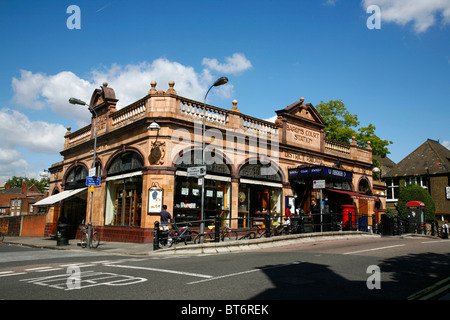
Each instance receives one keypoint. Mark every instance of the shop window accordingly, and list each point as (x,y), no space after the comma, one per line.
(124,202)
(124,193)
(188,193)
(255,201)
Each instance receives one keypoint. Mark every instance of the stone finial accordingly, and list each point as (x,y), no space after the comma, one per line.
(171,89)
(369,147)
(235,108)
(302,100)
(68,131)
(105,84)
(153,89)
(353,143)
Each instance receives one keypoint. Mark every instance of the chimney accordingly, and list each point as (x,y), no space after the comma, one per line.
(24,187)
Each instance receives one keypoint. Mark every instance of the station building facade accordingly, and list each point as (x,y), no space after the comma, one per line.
(253,166)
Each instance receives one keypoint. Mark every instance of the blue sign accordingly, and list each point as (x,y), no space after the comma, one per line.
(93,181)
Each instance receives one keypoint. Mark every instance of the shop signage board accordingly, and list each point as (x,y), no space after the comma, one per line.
(199,171)
(318,184)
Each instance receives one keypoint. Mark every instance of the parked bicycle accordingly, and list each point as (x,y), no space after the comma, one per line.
(280,229)
(176,235)
(225,234)
(254,234)
(95,237)
(2,237)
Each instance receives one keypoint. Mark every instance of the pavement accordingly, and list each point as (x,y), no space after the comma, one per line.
(145,249)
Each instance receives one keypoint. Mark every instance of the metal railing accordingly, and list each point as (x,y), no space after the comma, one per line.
(266,226)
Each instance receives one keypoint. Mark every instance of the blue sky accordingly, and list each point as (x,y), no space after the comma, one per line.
(273,52)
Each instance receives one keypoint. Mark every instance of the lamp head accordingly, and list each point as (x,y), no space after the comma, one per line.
(220,81)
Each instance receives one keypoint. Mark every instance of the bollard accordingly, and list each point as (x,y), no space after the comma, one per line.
(217,228)
(156,236)
(268,223)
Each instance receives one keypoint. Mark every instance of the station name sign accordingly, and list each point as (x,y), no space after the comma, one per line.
(302,136)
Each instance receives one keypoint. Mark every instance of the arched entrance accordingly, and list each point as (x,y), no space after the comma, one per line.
(74,207)
(124,190)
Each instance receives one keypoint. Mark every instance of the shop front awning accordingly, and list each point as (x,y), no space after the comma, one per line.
(353,195)
(58,197)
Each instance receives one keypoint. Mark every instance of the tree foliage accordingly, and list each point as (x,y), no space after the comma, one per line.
(40,185)
(413,192)
(342,126)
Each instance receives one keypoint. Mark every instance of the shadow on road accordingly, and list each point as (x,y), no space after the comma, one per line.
(400,277)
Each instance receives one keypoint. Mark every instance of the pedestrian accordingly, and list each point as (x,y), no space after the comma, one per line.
(165,216)
(445,230)
(288,212)
(315,210)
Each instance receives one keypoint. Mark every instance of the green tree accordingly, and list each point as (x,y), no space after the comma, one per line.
(342,126)
(413,192)
(41,185)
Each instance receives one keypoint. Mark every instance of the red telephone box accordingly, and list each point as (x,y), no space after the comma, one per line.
(348,216)
(415,211)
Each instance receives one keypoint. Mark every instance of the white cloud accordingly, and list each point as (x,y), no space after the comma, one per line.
(131,82)
(12,163)
(422,13)
(235,64)
(42,92)
(37,136)
(446,143)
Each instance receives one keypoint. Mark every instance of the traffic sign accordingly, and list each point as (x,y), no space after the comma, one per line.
(196,171)
(93,181)
(318,184)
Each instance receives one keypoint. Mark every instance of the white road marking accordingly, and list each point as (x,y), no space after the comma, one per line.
(243,272)
(163,270)
(374,249)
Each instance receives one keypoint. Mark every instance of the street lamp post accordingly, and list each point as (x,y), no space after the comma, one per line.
(82,103)
(218,82)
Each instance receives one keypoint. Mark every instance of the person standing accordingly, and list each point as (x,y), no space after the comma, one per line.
(165,216)
(445,230)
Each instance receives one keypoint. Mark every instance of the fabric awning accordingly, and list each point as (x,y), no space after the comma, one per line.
(58,197)
(353,195)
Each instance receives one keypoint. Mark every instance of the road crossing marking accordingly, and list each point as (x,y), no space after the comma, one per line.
(86,279)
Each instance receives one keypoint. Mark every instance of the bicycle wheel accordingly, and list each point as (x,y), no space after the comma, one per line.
(84,239)
(250,235)
(188,236)
(171,238)
(230,235)
(95,241)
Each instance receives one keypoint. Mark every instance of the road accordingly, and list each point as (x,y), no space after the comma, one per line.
(357,269)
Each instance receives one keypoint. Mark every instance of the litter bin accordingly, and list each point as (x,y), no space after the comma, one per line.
(61,235)
(387,225)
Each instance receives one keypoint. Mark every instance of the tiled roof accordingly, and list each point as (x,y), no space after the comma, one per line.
(429,158)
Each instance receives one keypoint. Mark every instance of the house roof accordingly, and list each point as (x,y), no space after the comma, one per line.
(386,163)
(429,158)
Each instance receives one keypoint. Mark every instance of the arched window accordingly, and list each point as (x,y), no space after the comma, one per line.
(364,186)
(76,178)
(126,162)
